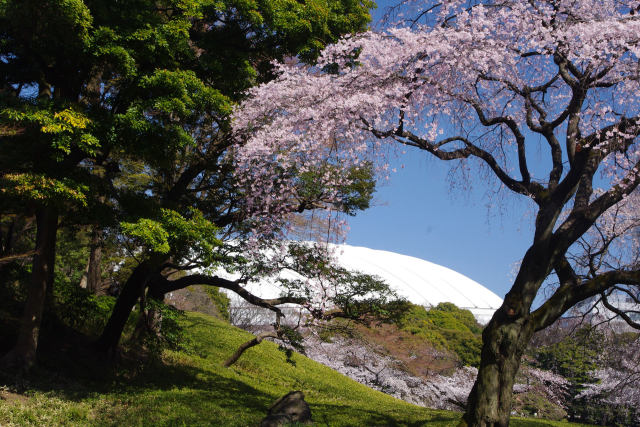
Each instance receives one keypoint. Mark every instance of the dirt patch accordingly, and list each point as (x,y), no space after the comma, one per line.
(13,398)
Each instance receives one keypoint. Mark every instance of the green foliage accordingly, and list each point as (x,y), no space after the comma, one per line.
(592,411)
(66,128)
(40,188)
(189,236)
(80,308)
(220,300)
(535,403)
(170,334)
(148,233)
(358,193)
(446,326)
(353,197)
(574,357)
(118,113)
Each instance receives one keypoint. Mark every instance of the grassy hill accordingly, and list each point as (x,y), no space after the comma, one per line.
(192,388)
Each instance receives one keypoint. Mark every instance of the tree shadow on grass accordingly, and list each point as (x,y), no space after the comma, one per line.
(176,394)
(163,395)
(72,370)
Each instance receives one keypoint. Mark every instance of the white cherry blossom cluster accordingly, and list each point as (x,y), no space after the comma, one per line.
(445,77)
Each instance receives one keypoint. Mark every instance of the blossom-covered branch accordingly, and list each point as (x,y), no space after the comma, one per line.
(485,83)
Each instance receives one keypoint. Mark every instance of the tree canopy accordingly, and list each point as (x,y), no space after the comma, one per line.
(487,84)
(116,116)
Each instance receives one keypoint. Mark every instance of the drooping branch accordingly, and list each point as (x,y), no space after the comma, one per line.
(275,334)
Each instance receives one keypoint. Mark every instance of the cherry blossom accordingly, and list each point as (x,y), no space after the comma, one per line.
(486,84)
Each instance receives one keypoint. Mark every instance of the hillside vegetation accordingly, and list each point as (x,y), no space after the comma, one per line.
(190,387)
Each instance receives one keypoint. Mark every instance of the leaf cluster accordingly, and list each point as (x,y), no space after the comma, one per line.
(183,237)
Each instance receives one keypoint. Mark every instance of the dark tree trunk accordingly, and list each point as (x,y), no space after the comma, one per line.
(150,321)
(131,292)
(23,355)
(504,341)
(6,240)
(92,279)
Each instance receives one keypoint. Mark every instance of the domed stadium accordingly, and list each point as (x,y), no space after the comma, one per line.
(421,282)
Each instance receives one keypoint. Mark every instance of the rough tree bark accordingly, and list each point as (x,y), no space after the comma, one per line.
(131,291)
(23,355)
(150,320)
(504,341)
(92,278)
(507,335)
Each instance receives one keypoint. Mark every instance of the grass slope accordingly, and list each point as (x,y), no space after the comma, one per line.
(194,389)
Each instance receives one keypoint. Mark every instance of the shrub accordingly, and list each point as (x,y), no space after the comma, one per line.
(575,357)
(168,333)
(79,308)
(446,326)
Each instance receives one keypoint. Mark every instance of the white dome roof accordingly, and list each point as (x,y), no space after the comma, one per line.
(421,282)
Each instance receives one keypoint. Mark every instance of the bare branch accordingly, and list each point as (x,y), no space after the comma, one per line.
(10,258)
(165,286)
(618,311)
(572,291)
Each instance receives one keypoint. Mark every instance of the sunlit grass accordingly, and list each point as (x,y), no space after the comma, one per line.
(192,388)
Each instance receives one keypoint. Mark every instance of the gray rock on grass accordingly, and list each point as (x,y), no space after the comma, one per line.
(290,408)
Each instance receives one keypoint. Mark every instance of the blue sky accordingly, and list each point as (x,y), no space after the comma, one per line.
(416,214)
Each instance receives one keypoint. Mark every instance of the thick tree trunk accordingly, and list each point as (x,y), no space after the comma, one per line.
(504,340)
(133,288)
(23,355)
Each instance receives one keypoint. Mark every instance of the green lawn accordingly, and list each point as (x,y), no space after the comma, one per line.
(194,389)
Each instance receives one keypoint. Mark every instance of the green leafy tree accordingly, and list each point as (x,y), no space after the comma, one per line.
(115,116)
(44,134)
(574,357)
(75,79)
(235,42)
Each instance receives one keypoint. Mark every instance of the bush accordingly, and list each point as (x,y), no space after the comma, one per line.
(446,326)
(590,410)
(169,333)
(79,308)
